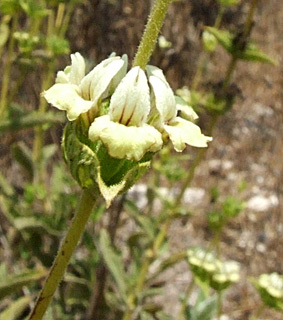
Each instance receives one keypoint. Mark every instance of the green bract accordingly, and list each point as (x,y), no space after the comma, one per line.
(120,120)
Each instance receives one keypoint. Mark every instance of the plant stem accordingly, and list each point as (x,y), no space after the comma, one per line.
(181,314)
(219,305)
(258,312)
(227,79)
(250,17)
(65,252)
(152,29)
(150,256)
(7,69)
(197,160)
(39,131)
(229,72)
(97,300)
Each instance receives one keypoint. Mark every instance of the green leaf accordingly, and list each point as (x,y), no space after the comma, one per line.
(15,309)
(57,45)
(23,155)
(250,53)
(168,263)
(15,282)
(225,38)
(204,309)
(253,53)
(48,152)
(145,222)
(29,120)
(114,262)
(146,316)
(9,7)
(33,9)
(5,188)
(32,223)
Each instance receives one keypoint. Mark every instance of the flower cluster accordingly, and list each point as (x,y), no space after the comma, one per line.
(131,113)
(270,288)
(216,273)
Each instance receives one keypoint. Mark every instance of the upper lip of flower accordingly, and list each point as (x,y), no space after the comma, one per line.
(77,93)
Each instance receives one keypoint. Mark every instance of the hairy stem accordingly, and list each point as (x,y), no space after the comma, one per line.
(152,29)
(64,255)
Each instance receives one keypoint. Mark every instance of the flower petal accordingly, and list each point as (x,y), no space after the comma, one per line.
(163,94)
(67,97)
(125,142)
(97,83)
(182,132)
(130,103)
(187,112)
(77,69)
(63,76)
(72,74)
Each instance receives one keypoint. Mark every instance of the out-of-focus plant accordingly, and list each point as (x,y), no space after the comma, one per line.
(270,288)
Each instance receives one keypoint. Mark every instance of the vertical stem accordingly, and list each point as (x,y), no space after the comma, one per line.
(259,311)
(181,314)
(219,304)
(229,72)
(200,154)
(150,255)
(39,131)
(250,17)
(64,255)
(97,300)
(153,26)
(7,69)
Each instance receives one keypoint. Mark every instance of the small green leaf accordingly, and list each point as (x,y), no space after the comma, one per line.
(225,38)
(114,262)
(23,155)
(253,53)
(57,45)
(32,223)
(33,9)
(29,120)
(48,152)
(250,53)
(9,7)
(204,309)
(145,222)
(15,309)
(15,282)
(5,188)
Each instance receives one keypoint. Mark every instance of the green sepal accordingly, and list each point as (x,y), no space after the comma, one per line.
(94,169)
(250,52)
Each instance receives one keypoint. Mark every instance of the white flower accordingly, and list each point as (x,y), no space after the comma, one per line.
(124,130)
(77,93)
(180,131)
(143,112)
